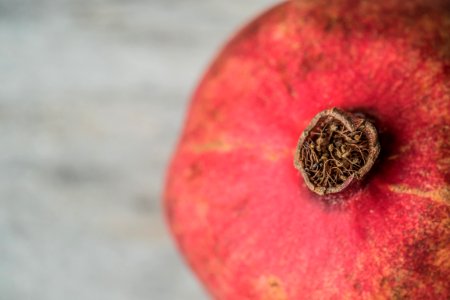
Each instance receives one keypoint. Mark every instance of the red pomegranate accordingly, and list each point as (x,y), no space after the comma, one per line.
(244,217)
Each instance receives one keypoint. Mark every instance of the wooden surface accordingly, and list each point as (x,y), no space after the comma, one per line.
(92,95)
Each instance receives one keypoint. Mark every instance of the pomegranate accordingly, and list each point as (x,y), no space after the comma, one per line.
(247,221)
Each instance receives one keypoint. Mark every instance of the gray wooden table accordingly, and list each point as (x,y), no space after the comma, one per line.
(92,95)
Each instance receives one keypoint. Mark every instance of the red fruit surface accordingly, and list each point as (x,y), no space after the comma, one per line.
(239,210)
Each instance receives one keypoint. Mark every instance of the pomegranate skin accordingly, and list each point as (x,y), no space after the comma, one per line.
(240,212)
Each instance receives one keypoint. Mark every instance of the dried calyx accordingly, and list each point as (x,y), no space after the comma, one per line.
(335,149)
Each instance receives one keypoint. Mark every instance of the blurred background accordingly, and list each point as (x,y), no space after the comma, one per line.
(92,98)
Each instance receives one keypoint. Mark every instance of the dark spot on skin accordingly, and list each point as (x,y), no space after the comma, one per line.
(194,171)
(240,207)
(357,286)
(274,284)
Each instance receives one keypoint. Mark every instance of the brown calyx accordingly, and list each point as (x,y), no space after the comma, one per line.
(335,149)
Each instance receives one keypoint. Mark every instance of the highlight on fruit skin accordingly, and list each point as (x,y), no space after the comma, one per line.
(335,149)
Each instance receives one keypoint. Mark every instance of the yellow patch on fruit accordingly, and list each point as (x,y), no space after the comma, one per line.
(439,195)
(270,288)
(442,259)
(216,146)
(223,145)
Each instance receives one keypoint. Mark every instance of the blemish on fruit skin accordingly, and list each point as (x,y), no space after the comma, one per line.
(439,195)
(216,146)
(193,172)
(443,259)
(270,288)
(403,283)
(272,154)
(444,163)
